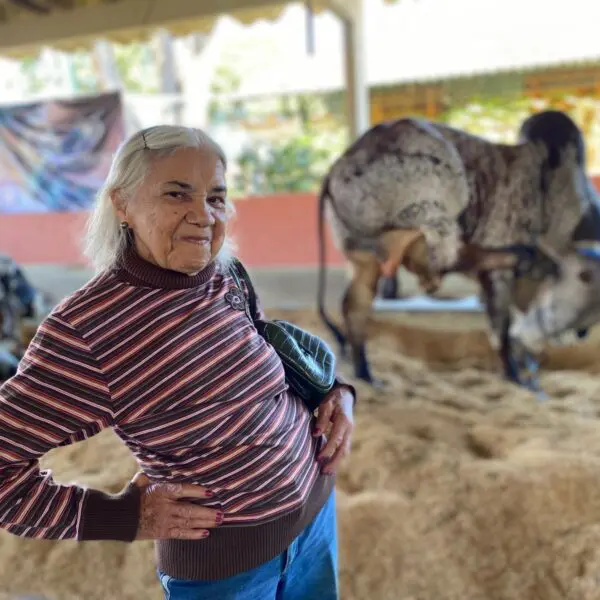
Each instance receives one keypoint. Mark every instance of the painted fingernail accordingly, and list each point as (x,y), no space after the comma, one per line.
(209,493)
(205,534)
(323,460)
(219,517)
(317,432)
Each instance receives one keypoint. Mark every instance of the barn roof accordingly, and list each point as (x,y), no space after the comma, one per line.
(27,25)
(416,41)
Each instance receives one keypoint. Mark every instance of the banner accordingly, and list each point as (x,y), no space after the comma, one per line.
(55,155)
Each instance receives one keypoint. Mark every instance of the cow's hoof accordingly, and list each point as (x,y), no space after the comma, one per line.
(533,385)
(532,382)
(374,382)
(378,384)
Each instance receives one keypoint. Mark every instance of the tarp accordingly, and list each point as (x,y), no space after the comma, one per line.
(54,155)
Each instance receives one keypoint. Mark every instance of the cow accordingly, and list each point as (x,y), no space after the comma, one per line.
(437,200)
(566,303)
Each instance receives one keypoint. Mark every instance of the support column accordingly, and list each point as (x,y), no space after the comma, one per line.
(351,14)
(199,60)
(106,65)
(164,54)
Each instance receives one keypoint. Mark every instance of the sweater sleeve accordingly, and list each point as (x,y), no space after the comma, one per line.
(57,397)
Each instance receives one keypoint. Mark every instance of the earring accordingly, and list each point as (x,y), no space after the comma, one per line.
(124,226)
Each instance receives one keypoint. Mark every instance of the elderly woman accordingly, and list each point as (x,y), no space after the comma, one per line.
(235,483)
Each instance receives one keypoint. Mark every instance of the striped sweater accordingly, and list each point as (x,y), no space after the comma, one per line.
(181,375)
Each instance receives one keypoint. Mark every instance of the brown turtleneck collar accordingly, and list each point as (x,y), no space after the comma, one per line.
(135,270)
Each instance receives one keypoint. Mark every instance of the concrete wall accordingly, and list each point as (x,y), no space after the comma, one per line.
(271,231)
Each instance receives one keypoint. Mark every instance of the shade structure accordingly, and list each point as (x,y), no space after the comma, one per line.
(28,25)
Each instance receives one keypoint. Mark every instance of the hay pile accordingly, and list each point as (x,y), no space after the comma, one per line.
(460,486)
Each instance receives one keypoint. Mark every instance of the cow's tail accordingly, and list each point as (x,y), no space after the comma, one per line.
(323,197)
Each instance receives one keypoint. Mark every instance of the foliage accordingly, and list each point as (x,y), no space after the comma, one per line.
(499,119)
(35,80)
(296,164)
(83,70)
(226,80)
(135,64)
(295,138)
(137,67)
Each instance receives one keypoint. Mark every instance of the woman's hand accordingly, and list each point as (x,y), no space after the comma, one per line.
(164,514)
(335,410)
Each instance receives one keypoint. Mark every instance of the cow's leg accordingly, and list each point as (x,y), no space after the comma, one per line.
(340,338)
(389,287)
(496,295)
(528,366)
(356,309)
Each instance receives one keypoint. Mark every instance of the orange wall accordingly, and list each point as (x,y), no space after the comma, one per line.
(279,230)
(270,231)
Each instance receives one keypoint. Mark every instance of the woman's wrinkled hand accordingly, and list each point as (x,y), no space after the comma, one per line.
(335,412)
(164,513)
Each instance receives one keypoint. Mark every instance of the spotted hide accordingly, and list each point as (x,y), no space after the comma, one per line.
(437,200)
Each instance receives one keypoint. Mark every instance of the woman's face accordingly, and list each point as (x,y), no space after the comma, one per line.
(178,214)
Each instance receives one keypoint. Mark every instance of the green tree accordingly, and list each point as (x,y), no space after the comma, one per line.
(497,119)
(226,80)
(137,67)
(296,164)
(84,72)
(35,79)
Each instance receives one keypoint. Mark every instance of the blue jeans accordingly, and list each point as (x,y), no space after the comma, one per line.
(306,570)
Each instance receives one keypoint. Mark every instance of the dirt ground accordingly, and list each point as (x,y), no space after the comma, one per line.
(460,486)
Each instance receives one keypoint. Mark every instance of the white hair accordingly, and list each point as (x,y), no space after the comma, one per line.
(104,239)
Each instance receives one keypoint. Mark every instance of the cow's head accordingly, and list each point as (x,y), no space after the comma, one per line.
(567,302)
(566,298)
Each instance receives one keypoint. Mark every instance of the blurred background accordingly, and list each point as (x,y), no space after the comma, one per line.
(460,486)
(283,87)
